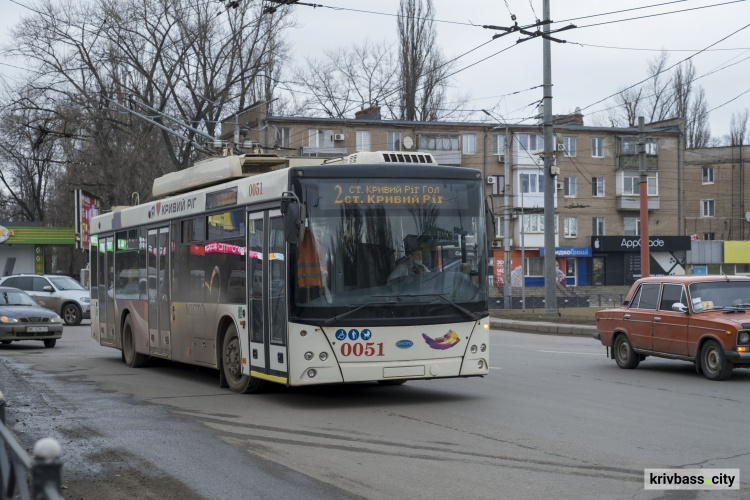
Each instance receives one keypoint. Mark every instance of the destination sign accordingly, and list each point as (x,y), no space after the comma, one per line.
(394,193)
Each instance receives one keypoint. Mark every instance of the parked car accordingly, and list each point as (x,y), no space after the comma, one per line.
(23,319)
(62,294)
(701,319)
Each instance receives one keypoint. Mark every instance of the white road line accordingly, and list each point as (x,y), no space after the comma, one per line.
(495,368)
(568,352)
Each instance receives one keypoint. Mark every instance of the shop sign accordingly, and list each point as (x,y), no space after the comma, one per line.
(569,252)
(633,243)
(5,233)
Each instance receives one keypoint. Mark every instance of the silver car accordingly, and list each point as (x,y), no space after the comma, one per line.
(62,294)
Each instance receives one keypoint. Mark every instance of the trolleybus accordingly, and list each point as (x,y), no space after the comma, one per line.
(373,268)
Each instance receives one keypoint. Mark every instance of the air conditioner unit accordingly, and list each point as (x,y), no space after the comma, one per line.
(559,186)
(338,137)
(491,179)
(501,158)
(561,147)
(497,244)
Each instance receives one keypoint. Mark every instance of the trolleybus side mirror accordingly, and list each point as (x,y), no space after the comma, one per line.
(489,219)
(294,217)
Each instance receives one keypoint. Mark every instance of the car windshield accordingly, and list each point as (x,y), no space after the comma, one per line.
(66,283)
(14,298)
(722,294)
(386,257)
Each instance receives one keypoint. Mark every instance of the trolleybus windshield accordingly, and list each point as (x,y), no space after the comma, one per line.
(390,251)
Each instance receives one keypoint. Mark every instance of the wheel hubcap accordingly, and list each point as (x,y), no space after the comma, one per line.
(712,360)
(623,351)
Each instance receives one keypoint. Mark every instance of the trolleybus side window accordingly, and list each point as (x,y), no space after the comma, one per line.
(255,271)
(277,277)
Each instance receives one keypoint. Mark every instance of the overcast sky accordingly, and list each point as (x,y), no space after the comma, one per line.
(595,63)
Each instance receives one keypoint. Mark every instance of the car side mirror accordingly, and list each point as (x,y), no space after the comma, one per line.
(48,289)
(625,303)
(679,307)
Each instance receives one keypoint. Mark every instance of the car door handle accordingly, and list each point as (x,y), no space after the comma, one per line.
(627,316)
(657,318)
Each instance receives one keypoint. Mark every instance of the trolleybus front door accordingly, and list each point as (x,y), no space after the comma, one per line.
(158,292)
(106,290)
(266,271)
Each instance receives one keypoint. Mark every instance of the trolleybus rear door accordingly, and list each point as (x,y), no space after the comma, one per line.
(267,295)
(158,293)
(106,290)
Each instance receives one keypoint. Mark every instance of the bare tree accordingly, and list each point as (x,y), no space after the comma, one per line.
(738,128)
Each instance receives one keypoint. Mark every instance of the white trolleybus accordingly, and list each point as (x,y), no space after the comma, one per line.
(370,269)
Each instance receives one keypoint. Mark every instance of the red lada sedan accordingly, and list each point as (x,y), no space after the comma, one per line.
(702,319)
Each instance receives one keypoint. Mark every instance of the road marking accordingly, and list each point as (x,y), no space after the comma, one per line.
(568,352)
(495,368)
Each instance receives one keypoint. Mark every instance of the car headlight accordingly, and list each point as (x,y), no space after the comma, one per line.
(743,338)
(7,320)
(85,299)
(56,319)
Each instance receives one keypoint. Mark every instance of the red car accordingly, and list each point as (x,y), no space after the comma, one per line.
(702,319)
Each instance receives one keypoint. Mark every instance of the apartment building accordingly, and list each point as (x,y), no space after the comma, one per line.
(597,189)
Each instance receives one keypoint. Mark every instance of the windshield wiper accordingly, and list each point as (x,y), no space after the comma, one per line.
(330,321)
(468,313)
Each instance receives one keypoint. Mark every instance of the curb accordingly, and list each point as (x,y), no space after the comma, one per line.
(542,327)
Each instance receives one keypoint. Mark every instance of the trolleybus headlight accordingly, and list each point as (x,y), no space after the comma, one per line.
(483,347)
(744,337)
(323,356)
(473,349)
(311,373)
(309,355)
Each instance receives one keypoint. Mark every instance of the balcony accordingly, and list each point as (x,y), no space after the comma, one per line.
(633,203)
(632,161)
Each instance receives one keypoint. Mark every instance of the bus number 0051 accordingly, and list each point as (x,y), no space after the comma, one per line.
(358,349)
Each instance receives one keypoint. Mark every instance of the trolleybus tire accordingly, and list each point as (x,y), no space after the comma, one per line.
(49,343)
(6,342)
(231,364)
(398,381)
(132,359)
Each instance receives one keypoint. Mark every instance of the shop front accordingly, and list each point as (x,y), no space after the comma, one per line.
(22,246)
(616,260)
(571,264)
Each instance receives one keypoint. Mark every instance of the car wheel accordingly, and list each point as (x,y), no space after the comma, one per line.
(625,356)
(6,342)
(50,343)
(714,364)
(231,364)
(398,381)
(71,314)
(132,359)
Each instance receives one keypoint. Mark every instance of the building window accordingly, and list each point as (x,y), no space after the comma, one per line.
(531,142)
(284,137)
(571,227)
(569,187)
(534,223)
(532,183)
(498,186)
(632,226)
(708,175)
(534,266)
(652,185)
(570,146)
(598,226)
(363,140)
(470,144)
(320,138)
(629,145)
(708,236)
(597,147)
(429,142)
(394,141)
(498,144)
(630,184)
(597,186)
(651,148)
(707,208)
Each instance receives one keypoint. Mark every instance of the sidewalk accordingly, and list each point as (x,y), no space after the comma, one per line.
(547,328)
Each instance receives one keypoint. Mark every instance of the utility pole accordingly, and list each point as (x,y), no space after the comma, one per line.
(507,289)
(550,275)
(642,191)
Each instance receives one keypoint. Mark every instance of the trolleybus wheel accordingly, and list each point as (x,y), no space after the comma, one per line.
(132,359)
(231,364)
(398,381)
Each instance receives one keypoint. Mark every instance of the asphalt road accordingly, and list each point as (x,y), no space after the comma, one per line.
(554,419)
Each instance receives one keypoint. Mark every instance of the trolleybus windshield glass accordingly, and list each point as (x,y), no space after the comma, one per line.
(389,250)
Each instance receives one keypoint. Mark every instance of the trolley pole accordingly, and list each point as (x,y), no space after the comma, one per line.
(643,192)
(550,275)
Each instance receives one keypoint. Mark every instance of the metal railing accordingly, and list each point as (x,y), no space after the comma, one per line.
(36,477)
